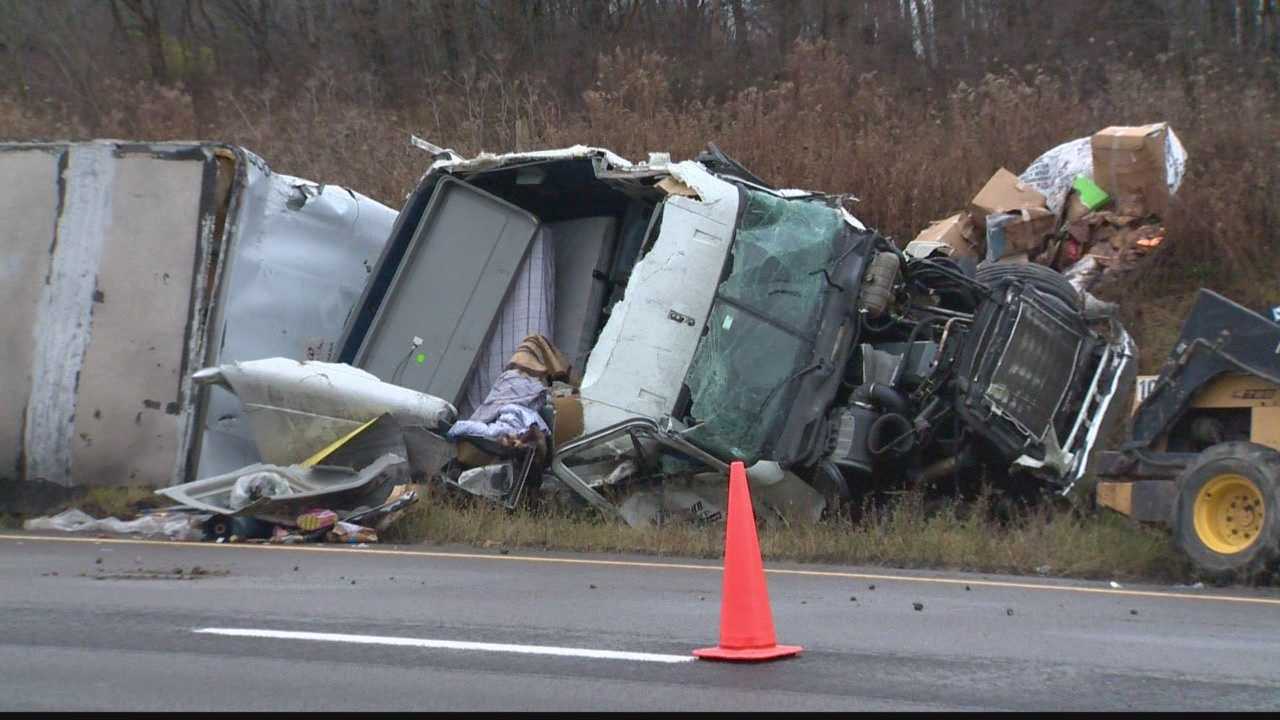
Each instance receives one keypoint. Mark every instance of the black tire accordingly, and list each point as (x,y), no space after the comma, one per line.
(1258,464)
(1044,279)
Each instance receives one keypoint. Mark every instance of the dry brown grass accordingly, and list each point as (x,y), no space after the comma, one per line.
(908,156)
(902,535)
(903,532)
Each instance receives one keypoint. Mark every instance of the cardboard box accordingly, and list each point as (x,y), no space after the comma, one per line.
(1003,193)
(955,231)
(1028,233)
(1129,163)
(1021,231)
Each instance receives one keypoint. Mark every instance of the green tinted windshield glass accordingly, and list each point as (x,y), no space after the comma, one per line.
(759,333)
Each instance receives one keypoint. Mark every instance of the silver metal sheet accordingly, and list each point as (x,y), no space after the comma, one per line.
(298,256)
(447,291)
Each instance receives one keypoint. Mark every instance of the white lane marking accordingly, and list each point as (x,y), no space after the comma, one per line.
(448,644)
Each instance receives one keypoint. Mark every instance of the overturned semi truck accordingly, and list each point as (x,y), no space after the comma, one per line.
(712,317)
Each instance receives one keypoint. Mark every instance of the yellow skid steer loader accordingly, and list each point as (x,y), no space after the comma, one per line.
(1204,452)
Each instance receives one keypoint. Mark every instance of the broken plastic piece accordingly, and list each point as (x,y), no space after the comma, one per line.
(298,408)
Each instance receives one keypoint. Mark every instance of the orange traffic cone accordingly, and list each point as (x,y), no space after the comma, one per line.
(746,621)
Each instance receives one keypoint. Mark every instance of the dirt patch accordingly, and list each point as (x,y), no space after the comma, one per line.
(195,572)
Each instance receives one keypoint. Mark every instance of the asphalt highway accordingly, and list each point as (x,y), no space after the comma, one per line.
(97,624)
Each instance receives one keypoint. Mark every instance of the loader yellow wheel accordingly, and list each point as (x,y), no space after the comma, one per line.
(1226,518)
(1229,513)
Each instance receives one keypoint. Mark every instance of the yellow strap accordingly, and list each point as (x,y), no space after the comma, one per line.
(315,459)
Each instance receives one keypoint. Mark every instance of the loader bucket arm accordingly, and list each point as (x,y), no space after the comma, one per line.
(1218,336)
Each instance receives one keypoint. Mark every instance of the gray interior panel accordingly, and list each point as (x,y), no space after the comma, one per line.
(584,251)
(447,290)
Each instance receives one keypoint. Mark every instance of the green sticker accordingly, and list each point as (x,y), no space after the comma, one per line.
(421,358)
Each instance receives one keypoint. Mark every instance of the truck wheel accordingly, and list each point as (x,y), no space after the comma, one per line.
(1226,518)
(1046,280)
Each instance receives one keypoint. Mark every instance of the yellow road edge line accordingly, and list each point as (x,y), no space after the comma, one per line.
(659,565)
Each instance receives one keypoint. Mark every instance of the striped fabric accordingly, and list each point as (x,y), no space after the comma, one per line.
(529,309)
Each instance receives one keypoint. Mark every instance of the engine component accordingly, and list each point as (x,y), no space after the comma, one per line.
(855,443)
(890,433)
(877,286)
(853,427)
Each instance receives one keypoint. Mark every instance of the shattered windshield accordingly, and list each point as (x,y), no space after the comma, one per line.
(761,328)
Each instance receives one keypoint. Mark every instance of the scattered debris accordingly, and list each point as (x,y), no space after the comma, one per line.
(345,532)
(279,494)
(195,573)
(173,525)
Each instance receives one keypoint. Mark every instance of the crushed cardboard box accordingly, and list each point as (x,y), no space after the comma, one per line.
(1023,231)
(1027,234)
(956,232)
(1003,193)
(1129,163)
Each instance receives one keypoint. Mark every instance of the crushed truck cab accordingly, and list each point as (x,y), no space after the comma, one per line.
(711,317)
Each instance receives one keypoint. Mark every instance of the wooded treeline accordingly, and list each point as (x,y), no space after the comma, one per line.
(63,48)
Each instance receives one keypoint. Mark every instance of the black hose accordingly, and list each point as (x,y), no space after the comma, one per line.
(911,343)
(882,395)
